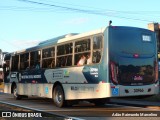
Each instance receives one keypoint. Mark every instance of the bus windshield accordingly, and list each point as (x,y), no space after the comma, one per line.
(133,52)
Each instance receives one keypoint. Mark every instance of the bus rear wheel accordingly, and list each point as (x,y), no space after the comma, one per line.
(15,93)
(58,96)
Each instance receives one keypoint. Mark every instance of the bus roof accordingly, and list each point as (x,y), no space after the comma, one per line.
(66,38)
(61,39)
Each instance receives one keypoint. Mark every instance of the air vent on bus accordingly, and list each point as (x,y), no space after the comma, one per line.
(70,34)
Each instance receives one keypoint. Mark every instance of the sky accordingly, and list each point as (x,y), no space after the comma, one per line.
(24,23)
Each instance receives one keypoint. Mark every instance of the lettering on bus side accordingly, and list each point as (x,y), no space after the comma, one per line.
(30,76)
(58,74)
(13,75)
(94,71)
(82,88)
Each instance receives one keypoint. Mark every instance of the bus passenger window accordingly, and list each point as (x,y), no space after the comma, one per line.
(82,52)
(48,56)
(64,55)
(89,59)
(96,57)
(97,42)
(82,60)
(82,46)
(97,49)
(24,61)
(35,59)
(61,61)
(15,61)
(69,60)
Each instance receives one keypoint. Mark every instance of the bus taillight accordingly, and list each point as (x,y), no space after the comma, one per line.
(136,55)
(114,72)
(156,71)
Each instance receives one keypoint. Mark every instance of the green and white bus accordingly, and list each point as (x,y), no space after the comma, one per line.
(116,61)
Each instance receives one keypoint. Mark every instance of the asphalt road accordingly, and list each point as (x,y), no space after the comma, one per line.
(83,110)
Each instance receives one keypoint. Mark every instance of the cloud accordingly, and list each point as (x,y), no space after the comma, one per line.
(76,21)
(23,44)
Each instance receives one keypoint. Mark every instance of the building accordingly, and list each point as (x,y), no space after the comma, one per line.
(156,28)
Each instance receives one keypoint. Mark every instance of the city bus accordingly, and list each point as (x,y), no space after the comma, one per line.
(115,61)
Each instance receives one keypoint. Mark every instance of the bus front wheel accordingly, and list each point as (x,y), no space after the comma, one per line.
(58,96)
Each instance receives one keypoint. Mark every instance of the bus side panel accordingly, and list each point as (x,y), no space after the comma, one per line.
(40,90)
(86,91)
(63,75)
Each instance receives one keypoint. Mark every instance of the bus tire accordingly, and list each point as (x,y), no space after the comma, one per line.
(58,96)
(15,93)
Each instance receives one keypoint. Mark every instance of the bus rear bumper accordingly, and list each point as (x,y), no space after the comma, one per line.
(138,90)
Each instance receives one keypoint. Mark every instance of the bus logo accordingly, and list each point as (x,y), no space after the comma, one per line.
(138,78)
(6,114)
(66,73)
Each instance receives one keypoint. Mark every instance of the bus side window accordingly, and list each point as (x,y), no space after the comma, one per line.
(48,56)
(96,57)
(82,52)
(24,61)
(97,49)
(35,59)
(64,55)
(15,61)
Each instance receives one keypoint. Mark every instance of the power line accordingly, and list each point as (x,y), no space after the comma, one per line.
(58,8)
(16,8)
(100,11)
(109,10)
(84,11)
